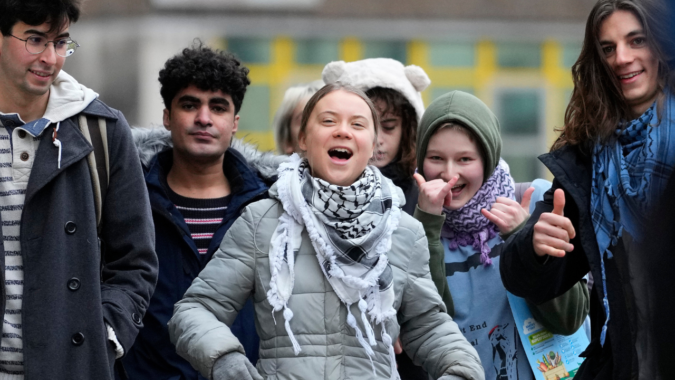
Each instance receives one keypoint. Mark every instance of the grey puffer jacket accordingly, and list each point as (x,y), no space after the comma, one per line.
(330,350)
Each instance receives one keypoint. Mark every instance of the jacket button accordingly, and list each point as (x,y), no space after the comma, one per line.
(8,123)
(22,134)
(136,318)
(74,283)
(77,339)
(71,227)
(24,156)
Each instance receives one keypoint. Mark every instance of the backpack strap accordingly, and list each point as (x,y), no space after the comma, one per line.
(99,140)
(95,131)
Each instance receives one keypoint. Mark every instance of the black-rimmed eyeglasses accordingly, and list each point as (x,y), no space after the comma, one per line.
(64,47)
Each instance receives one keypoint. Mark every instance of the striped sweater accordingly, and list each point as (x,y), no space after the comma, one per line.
(202,216)
(16,159)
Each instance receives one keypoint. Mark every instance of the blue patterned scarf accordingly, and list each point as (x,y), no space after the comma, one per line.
(629,174)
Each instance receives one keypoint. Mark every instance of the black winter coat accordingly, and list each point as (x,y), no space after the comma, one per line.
(70,291)
(406,182)
(524,274)
(153,356)
(406,368)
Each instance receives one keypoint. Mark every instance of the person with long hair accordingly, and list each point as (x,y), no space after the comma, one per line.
(611,163)
(396,140)
(336,270)
(287,119)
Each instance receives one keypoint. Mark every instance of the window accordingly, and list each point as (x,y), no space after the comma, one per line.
(571,52)
(386,49)
(520,114)
(255,111)
(518,55)
(250,50)
(316,52)
(523,168)
(451,54)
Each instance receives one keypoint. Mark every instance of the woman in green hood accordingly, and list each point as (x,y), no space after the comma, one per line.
(468,208)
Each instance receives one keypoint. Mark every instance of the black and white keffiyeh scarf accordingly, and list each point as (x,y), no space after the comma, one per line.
(350,228)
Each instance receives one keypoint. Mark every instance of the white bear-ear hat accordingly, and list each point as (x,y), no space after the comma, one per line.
(381,72)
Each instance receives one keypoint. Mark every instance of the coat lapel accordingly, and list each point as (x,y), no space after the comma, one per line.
(74,147)
(571,170)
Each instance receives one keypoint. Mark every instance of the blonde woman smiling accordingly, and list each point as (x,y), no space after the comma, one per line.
(336,270)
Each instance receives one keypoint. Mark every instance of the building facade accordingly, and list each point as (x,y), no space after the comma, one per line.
(518,64)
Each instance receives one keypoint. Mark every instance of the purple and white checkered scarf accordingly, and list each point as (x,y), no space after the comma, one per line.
(467,226)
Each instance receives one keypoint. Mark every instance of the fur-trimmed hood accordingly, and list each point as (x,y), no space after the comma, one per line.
(150,141)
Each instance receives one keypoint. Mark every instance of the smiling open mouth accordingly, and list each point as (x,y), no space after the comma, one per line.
(40,74)
(458,188)
(631,75)
(340,153)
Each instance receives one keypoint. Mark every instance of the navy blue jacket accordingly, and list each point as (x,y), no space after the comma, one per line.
(153,356)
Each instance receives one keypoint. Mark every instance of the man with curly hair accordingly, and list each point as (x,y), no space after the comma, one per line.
(197,189)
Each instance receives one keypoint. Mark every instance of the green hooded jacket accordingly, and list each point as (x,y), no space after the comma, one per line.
(562,315)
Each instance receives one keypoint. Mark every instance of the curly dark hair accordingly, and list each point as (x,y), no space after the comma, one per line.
(208,70)
(36,12)
(397,104)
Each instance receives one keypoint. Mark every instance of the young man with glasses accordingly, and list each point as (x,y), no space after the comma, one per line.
(74,293)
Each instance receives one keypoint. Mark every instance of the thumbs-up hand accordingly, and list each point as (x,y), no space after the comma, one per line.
(507,214)
(559,202)
(553,231)
(434,194)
